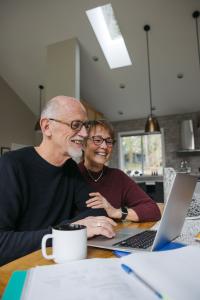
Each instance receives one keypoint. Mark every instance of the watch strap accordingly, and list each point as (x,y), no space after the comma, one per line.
(124,211)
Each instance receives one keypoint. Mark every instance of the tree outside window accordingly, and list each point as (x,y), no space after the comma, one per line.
(141,154)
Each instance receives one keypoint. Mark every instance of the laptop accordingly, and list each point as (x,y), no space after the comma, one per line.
(177,204)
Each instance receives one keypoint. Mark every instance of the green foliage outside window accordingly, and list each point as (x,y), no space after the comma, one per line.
(142,154)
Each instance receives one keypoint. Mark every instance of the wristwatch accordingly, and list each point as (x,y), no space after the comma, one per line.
(124,211)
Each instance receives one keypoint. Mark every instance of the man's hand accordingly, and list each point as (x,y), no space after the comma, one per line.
(98,201)
(98,226)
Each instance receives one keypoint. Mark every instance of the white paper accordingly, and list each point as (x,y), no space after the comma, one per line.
(175,272)
(93,279)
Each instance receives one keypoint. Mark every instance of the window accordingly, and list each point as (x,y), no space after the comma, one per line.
(106,29)
(141,154)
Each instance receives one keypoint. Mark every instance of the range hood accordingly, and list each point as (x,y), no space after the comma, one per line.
(187,135)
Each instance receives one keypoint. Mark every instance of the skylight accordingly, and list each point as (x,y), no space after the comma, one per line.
(106,29)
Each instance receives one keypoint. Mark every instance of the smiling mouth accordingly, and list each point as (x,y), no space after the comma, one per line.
(77,142)
(101,154)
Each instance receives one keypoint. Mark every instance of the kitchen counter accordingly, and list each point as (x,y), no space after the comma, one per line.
(148,179)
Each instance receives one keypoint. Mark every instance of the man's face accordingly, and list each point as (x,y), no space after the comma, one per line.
(66,141)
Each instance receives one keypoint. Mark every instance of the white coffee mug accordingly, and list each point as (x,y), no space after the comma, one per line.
(69,242)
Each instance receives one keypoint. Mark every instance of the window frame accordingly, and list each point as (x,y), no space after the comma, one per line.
(137,132)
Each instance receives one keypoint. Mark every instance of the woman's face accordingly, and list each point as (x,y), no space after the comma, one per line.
(98,151)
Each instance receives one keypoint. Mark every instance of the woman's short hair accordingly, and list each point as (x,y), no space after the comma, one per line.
(102,123)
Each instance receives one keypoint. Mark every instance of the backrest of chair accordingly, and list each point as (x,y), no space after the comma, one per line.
(168,179)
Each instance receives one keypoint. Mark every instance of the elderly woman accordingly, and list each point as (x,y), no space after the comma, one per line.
(118,194)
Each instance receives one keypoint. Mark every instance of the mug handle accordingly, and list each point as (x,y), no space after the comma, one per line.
(44,241)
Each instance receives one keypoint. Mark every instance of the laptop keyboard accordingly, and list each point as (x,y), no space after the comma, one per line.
(141,240)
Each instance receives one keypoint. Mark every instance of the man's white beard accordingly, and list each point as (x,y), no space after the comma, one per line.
(75,154)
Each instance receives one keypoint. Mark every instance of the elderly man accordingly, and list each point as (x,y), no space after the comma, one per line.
(41,187)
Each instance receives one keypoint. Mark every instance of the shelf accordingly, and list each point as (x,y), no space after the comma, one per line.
(189,151)
(148,179)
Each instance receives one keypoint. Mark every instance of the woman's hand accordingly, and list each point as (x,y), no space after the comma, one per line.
(98,201)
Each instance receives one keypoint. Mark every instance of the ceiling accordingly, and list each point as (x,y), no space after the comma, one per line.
(27,27)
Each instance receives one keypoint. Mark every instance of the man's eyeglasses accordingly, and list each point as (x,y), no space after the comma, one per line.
(98,140)
(75,125)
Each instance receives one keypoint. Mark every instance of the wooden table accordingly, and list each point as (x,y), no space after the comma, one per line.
(36,259)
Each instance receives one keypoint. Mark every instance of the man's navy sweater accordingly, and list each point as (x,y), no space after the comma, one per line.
(35,195)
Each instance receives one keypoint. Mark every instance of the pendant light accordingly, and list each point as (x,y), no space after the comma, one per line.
(196,15)
(37,125)
(151,125)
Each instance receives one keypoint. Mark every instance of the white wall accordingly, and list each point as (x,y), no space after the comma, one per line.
(16,120)
(63,69)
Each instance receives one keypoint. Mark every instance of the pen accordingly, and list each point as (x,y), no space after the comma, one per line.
(130,271)
(121,253)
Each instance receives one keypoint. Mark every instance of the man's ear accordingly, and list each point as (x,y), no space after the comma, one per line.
(45,126)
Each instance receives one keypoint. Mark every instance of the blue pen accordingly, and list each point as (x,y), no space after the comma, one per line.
(130,271)
(121,253)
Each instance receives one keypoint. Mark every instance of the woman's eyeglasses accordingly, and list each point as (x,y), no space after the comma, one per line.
(98,140)
(75,125)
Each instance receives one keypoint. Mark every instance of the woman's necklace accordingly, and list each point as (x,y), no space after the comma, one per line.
(92,177)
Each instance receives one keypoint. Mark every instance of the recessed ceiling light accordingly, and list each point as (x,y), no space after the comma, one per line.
(106,29)
(120,112)
(95,58)
(180,75)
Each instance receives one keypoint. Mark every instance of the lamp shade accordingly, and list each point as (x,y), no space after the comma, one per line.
(152,125)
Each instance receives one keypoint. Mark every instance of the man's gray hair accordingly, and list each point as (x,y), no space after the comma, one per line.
(51,109)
